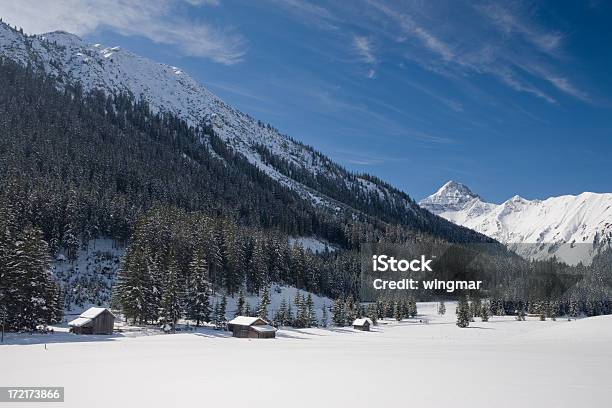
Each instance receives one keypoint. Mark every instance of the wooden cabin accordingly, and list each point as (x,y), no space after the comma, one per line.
(251,327)
(362,324)
(95,320)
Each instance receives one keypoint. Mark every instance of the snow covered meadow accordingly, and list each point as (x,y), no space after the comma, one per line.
(502,363)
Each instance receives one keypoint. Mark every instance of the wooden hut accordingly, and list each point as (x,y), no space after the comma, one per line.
(362,324)
(95,320)
(251,327)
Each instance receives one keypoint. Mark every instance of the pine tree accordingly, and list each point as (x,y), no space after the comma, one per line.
(463,313)
(300,311)
(475,307)
(350,310)
(216,317)
(520,311)
(171,305)
(372,312)
(241,308)
(338,313)
(412,308)
(397,311)
(573,308)
(198,291)
(324,316)
(441,308)
(312,315)
(554,310)
(484,311)
(222,309)
(279,314)
(262,309)
(134,284)
(289,317)
(380,309)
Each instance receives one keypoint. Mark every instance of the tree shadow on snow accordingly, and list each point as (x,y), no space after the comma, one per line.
(29,339)
(287,335)
(211,333)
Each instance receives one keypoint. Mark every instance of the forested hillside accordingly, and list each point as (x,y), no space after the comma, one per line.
(77,166)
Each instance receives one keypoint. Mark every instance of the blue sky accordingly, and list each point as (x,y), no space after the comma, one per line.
(508,98)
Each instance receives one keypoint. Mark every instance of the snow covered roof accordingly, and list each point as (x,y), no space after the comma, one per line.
(94,312)
(263,328)
(362,322)
(80,322)
(246,321)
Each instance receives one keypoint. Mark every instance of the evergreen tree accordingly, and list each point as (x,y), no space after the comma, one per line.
(484,311)
(397,311)
(338,316)
(222,309)
(350,310)
(441,308)
(262,309)
(289,317)
(241,306)
(198,290)
(324,316)
(312,315)
(520,311)
(216,317)
(412,308)
(372,312)
(171,304)
(463,313)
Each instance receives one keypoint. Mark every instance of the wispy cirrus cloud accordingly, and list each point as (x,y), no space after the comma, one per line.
(510,19)
(308,13)
(501,41)
(363,47)
(159,21)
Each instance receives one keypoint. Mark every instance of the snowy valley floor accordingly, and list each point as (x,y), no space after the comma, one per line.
(501,363)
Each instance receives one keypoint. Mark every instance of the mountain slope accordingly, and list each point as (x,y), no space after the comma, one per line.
(167,89)
(573,228)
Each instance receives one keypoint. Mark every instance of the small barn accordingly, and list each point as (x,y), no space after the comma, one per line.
(362,324)
(95,320)
(251,327)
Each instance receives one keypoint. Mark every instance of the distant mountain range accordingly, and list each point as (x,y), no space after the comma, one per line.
(573,228)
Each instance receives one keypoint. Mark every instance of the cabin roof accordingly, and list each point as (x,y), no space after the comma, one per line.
(247,321)
(362,322)
(263,328)
(80,322)
(94,312)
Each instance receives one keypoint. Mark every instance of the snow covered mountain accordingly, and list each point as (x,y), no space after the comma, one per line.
(167,88)
(312,175)
(573,228)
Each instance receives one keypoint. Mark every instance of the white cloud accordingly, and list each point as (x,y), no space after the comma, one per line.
(511,21)
(157,21)
(363,47)
(308,13)
(566,86)
(501,41)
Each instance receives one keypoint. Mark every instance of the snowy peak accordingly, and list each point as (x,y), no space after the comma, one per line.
(452,196)
(573,228)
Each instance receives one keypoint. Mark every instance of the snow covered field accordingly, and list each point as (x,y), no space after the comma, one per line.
(500,363)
